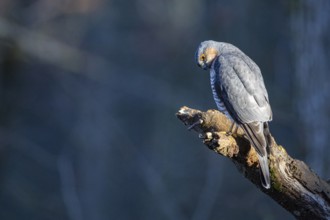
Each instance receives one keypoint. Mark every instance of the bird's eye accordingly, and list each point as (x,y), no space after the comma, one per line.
(202,57)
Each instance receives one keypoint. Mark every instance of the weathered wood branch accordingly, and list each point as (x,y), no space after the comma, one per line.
(293,184)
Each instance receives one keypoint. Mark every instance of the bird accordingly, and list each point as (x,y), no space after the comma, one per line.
(239,92)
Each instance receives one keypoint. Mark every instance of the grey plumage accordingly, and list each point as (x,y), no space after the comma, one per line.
(239,92)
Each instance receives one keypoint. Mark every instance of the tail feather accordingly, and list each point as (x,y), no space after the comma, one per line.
(267,135)
(264,175)
(259,136)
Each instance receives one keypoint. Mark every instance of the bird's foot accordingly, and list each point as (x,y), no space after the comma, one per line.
(229,133)
(232,130)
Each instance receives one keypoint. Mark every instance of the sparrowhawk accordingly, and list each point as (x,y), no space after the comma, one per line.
(240,93)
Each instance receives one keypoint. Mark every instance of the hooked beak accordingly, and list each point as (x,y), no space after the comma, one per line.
(202,65)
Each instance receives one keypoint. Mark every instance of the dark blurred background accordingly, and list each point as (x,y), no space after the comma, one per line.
(88,95)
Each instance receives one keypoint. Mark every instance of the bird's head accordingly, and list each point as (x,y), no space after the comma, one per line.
(207,51)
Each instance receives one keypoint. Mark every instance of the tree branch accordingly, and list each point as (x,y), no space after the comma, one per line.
(293,184)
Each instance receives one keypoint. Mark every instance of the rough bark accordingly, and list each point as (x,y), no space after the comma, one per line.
(293,184)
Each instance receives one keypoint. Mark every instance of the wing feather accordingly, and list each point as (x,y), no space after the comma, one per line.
(243,90)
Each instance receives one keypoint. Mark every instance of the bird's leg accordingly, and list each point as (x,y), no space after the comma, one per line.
(233,129)
(236,129)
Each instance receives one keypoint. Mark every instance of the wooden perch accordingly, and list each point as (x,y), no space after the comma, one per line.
(293,184)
